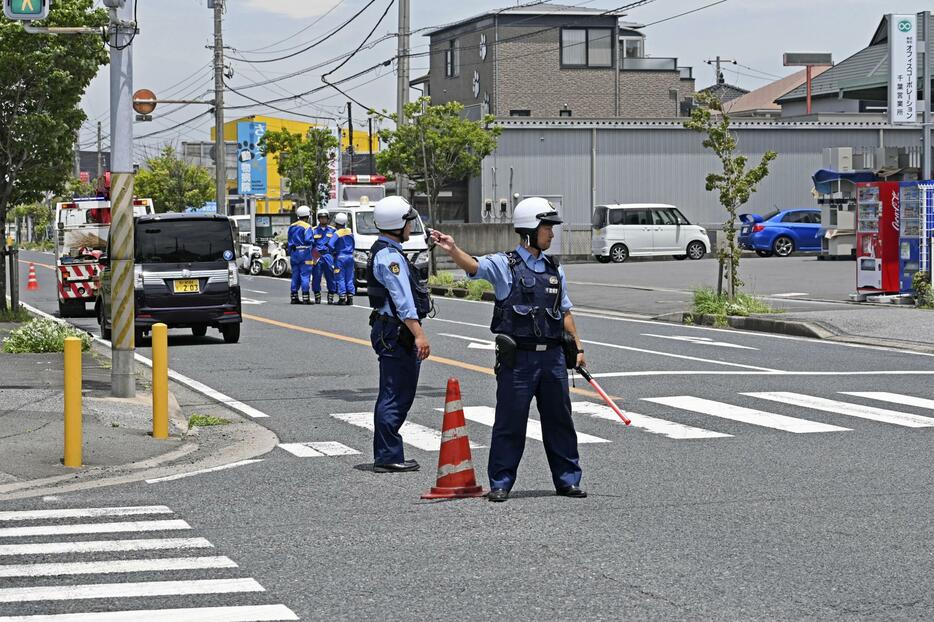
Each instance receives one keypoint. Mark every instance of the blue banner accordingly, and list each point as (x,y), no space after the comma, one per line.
(251,164)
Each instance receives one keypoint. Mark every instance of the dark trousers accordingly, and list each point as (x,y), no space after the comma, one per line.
(398,379)
(541,375)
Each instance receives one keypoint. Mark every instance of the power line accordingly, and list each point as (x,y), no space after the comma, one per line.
(765,73)
(305,29)
(176,126)
(667,19)
(362,43)
(266,105)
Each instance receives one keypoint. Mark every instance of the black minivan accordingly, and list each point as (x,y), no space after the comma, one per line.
(185,276)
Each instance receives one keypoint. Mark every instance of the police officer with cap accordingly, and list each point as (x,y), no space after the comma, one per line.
(299,249)
(536,342)
(343,261)
(324,237)
(399,305)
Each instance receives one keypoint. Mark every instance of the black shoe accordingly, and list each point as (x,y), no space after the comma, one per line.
(497,495)
(317,299)
(330,299)
(408,465)
(306,299)
(349,301)
(571,491)
(295,300)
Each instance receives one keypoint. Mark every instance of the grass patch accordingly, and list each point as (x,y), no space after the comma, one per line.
(15,315)
(204,421)
(42,335)
(475,288)
(707,302)
(45,245)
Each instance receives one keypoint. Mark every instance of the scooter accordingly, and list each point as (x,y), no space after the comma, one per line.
(250,259)
(278,260)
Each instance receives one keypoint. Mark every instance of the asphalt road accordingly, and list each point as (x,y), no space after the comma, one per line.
(797,502)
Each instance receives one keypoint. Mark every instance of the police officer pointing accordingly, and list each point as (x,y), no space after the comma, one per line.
(399,304)
(531,317)
(299,248)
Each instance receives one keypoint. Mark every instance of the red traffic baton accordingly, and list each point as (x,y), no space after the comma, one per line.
(606,398)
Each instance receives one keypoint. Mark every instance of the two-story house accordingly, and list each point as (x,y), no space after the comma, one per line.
(551,61)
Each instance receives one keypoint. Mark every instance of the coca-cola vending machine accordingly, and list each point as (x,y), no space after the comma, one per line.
(878,234)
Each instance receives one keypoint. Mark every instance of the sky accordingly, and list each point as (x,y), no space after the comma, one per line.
(172,59)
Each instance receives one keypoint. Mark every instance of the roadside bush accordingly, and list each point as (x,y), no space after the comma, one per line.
(14,315)
(442,279)
(924,293)
(707,302)
(42,335)
(475,289)
(45,245)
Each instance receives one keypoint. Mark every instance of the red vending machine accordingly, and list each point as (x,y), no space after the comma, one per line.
(877,237)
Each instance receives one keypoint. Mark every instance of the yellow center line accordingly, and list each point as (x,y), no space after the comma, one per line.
(363,342)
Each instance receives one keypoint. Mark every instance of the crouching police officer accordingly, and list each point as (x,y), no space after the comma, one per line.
(299,249)
(536,342)
(399,304)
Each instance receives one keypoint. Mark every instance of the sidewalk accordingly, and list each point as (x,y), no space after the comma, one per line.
(117,442)
(894,325)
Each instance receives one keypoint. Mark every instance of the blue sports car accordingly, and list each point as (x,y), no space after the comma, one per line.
(781,232)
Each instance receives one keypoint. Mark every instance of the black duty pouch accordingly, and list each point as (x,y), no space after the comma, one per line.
(569,345)
(406,338)
(506,350)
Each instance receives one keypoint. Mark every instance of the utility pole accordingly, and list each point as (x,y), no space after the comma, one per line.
(402,87)
(350,149)
(717,62)
(369,148)
(220,149)
(100,154)
(122,31)
(77,158)
(926,73)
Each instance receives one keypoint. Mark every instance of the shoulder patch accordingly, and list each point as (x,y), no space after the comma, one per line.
(394,268)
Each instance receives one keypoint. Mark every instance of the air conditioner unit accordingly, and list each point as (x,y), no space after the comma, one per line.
(886,158)
(839,159)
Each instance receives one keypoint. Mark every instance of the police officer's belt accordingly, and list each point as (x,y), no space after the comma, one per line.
(301,248)
(531,346)
(376,316)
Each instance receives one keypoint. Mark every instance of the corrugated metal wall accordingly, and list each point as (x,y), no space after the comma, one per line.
(661,163)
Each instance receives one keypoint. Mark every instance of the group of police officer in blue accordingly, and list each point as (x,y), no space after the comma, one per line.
(536,342)
(322,251)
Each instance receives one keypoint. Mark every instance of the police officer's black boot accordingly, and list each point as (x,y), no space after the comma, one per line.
(317,298)
(330,298)
(306,299)
(349,301)
(295,299)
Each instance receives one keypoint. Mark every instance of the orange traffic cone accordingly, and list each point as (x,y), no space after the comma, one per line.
(32,283)
(456,478)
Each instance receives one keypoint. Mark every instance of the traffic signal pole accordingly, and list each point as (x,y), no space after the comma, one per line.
(122,30)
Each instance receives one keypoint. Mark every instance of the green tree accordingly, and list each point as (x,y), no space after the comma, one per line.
(172,183)
(735,184)
(437,147)
(39,212)
(305,161)
(42,80)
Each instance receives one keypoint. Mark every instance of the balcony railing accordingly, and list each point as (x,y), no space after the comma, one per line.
(650,64)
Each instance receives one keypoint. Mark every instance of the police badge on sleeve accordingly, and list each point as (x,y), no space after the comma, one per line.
(394,268)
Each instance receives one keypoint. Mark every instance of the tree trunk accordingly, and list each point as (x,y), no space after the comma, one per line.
(4,198)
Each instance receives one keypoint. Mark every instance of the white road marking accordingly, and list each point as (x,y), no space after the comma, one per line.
(223,467)
(128,590)
(894,398)
(475,344)
(104,546)
(704,341)
(127,527)
(487,415)
(115,566)
(83,512)
(679,356)
(251,301)
(670,429)
(251,613)
(744,415)
(413,434)
(846,408)
(255,291)
(789,295)
(698,372)
(318,450)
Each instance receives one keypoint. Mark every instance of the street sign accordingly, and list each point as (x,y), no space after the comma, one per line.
(145,106)
(26,10)
(903,68)
(251,162)
(803,59)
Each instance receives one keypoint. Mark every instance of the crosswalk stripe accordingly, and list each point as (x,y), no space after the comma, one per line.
(128,590)
(58,530)
(251,613)
(83,513)
(104,546)
(487,415)
(745,415)
(117,566)
(894,398)
(412,433)
(670,429)
(846,408)
(319,449)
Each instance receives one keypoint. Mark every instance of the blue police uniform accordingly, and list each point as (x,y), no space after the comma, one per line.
(299,247)
(531,300)
(343,262)
(323,239)
(395,295)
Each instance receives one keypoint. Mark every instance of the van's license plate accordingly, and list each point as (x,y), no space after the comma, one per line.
(187,286)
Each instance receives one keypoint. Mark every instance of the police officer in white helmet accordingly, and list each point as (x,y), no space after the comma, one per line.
(399,305)
(536,342)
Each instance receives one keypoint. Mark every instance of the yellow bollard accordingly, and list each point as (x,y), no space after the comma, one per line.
(160,381)
(73,433)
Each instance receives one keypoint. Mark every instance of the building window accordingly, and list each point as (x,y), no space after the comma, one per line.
(633,47)
(564,113)
(586,47)
(520,113)
(452,59)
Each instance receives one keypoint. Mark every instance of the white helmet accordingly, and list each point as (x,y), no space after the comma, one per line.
(341,219)
(303,211)
(324,212)
(532,212)
(391,213)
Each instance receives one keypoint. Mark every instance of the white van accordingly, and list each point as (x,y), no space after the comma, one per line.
(644,230)
(365,233)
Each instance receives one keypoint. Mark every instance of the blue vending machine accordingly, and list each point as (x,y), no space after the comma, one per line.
(909,243)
